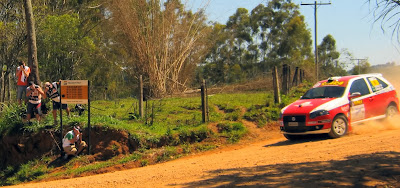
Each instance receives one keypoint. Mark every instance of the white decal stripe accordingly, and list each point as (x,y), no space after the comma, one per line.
(336,103)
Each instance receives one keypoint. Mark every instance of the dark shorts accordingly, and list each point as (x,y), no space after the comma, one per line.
(56,105)
(21,90)
(36,108)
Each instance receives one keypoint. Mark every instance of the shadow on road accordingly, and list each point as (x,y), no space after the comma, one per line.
(302,139)
(368,170)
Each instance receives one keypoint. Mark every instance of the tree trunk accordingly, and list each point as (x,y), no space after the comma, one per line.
(3,87)
(32,49)
(9,86)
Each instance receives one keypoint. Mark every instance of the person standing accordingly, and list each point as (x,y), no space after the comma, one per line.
(51,90)
(34,94)
(22,74)
(72,142)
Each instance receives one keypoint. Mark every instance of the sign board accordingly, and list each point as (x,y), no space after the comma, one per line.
(74,91)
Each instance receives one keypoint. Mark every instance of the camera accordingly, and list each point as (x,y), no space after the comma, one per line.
(80,109)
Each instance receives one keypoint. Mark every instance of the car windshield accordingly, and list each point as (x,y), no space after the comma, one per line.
(324,92)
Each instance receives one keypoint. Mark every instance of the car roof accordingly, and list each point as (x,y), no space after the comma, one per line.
(343,80)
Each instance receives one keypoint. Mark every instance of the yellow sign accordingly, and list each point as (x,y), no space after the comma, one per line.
(74,91)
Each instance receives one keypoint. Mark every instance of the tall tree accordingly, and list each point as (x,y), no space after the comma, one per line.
(329,58)
(76,41)
(12,42)
(32,49)
(271,35)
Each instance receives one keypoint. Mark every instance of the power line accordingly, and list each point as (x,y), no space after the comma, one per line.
(316,36)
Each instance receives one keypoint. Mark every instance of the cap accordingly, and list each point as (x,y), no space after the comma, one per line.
(77,128)
(31,83)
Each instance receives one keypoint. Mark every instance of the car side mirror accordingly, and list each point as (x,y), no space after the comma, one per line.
(354,95)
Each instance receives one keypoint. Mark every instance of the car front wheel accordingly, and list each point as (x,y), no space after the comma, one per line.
(339,127)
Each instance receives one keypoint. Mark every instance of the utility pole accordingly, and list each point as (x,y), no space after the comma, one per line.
(316,36)
(358,61)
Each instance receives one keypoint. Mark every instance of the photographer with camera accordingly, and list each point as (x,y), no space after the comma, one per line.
(73,143)
(22,74)
(34,94)
(52,92)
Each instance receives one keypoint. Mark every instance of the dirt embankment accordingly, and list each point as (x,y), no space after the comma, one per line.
(24,146)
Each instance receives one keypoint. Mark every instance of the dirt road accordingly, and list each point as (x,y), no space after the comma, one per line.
(368,157)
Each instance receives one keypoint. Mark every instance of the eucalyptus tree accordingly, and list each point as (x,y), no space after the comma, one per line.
(329,58)
(32,47)
(289,39)
(272,35)
(75,42)
(12,42)
(215,67)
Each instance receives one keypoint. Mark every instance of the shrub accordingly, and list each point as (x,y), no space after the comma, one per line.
(11,119)
(233,131)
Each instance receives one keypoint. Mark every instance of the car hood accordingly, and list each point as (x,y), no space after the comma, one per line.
(309,105)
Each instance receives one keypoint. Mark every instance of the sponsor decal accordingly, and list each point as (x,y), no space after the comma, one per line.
(333,83)
(345,108)
(359,102)
(376,86)
(357,112)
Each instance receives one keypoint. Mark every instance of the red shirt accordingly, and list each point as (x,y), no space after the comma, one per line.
(22,79)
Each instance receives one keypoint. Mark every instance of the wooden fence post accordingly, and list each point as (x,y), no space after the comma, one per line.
(140,96)
(207,109)
(301,75)
(284,79)
(295,77)
(288,80)
(277,94)
(203,101)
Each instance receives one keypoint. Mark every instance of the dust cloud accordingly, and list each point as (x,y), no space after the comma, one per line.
(392,74)
(376,126)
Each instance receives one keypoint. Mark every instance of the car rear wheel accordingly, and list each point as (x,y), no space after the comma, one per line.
(339,127)
(391,111)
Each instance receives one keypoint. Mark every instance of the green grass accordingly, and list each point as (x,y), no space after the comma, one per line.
(171,128)
(25,172)
(232,130)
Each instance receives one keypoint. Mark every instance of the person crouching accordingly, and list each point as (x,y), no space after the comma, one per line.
(73,143)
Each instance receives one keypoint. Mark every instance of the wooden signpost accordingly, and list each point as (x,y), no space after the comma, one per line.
(75,92)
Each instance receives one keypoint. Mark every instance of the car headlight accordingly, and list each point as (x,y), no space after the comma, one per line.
(318,113)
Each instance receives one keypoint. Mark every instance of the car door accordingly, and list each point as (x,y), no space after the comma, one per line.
(361,107)
(379,105)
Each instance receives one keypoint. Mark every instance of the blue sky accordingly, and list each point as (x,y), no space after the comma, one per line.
(350,22)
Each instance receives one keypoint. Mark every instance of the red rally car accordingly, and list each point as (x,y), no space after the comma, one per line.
(333,105)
